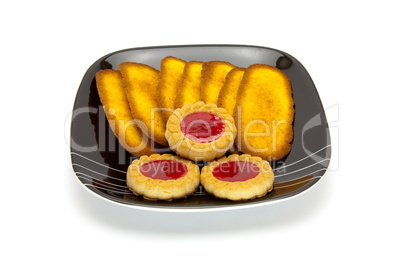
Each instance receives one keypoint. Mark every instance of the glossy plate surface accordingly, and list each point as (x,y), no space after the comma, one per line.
(100,163)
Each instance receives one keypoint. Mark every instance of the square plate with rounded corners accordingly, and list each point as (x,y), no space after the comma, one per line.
(100,163)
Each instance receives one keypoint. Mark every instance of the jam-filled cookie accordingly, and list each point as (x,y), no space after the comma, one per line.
(163,177)
(238,177)
(200,132)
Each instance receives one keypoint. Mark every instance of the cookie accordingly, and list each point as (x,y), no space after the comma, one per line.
(141,86)
(200,132)
(126,129)
(238,177)
(228,95)
(266,113)
(171,71)
(163,177)
(189,90)
(213,78)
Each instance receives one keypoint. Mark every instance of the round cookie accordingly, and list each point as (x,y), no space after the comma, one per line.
(238,177)
(163,177)
(200,132)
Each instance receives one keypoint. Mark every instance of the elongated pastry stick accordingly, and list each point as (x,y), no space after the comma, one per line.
(126,129)
(141,87)
(228,95)
(213,78)
(190,85)
(266,113)
(169,79)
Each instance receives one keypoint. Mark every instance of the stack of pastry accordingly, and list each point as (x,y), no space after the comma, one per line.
(200,110)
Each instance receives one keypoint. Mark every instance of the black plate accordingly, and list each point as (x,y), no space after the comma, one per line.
(100,163)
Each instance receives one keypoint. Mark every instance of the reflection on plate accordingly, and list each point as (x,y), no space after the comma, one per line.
(100,163)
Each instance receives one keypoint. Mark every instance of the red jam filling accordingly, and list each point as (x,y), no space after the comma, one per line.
(202,127)
(164,169)
(234,171)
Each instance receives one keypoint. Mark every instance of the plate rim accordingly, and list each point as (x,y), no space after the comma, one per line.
(195,208)
(171,209)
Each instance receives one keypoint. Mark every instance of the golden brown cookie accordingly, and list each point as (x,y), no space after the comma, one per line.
(141,87)
(163,177)
(190,85)
(228,95)
(213,78)
(238,177)
(200,132)
(169,79)
(126,129)
(266,113)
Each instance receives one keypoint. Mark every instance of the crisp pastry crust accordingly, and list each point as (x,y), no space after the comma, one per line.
(128,132)
(157,189)
(265,113)
(228,95)
(197,151)
(141,86)
(189,90)
(170,76)
(255,187)
(213,78)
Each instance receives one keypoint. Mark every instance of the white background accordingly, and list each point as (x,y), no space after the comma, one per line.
(348,224)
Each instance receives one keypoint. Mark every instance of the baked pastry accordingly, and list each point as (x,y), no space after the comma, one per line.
(200,132)
(141,86)
(169,79)
(213,78)
(189,90)
(228,94)
(163,177)
(113,98)
(266,114)
(238,177)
